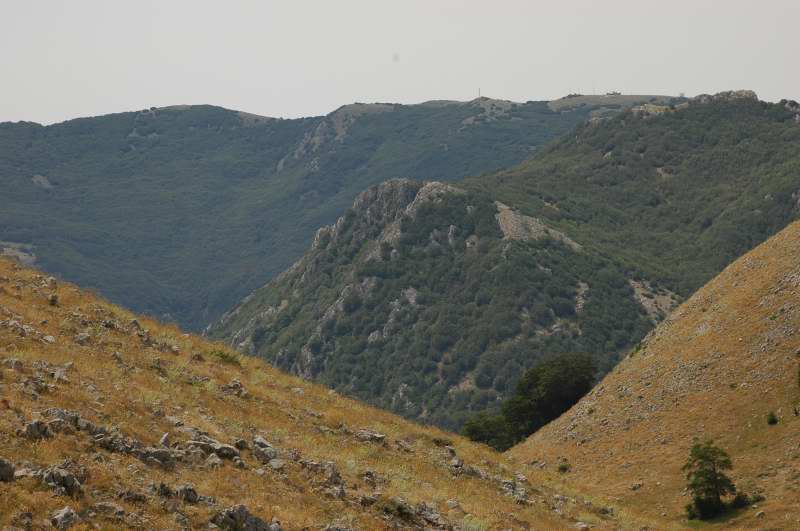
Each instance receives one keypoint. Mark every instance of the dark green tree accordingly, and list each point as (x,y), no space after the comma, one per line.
(705,473)
(546,391)
(493,430)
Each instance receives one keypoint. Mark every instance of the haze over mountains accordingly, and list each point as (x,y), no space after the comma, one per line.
(419,258)
(182,211)
(431,300)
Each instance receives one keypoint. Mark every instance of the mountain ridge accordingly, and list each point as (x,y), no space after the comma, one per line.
(631,214)
(241,195)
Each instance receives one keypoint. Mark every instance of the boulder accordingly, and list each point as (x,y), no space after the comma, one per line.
(36,430)
(64,518)
(262,450)
(235,388)
(82,339)
(187,493)
(62,481)
(365,435)
(239,518)
(277,464)
(213,461)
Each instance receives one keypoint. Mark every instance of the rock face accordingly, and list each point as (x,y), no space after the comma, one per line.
(730,95)
(516,226)
(433,293)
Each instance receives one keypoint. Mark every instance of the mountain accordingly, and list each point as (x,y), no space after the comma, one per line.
(429,300)
(113,421)
(717,367)
(181,211)
(674,193)
(432,299)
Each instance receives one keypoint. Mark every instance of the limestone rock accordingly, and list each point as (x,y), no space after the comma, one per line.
(239,518)
(64,518)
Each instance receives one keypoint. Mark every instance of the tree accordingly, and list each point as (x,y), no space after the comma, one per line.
(543,393)
(546,391)
(707,480)
(489,429)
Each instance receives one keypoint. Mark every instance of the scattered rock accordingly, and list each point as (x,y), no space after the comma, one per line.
(365,435)
(36,430)
(187,493)
(131,496)
(109,509)
(82,339)
(235,388)
(277,464)
(63,482)
(163,457)
(213,461)
(64,518)
(262,450)
(239,518)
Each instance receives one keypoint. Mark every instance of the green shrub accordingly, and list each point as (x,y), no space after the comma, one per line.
(772,418)
(229,358)
(740,501)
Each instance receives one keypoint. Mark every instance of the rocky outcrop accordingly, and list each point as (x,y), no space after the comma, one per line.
(516,226)
(726,96)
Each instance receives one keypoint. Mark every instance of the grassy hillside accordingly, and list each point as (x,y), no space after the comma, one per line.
(180,212)
(112,421)
(430,301)
(716,368)
(674,193)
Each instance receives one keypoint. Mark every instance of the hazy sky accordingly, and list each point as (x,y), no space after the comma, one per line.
(61,59)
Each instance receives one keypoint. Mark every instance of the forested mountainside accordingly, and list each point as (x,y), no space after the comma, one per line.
(724,366)
(674,193)
(113,421)
(181,211)
(431,299)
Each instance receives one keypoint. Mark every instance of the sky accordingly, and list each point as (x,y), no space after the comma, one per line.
(61,59)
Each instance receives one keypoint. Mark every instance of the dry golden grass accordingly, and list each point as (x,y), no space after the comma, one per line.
(153,384)
(714,369)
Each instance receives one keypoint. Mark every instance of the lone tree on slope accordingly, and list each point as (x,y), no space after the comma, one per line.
(705,473)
